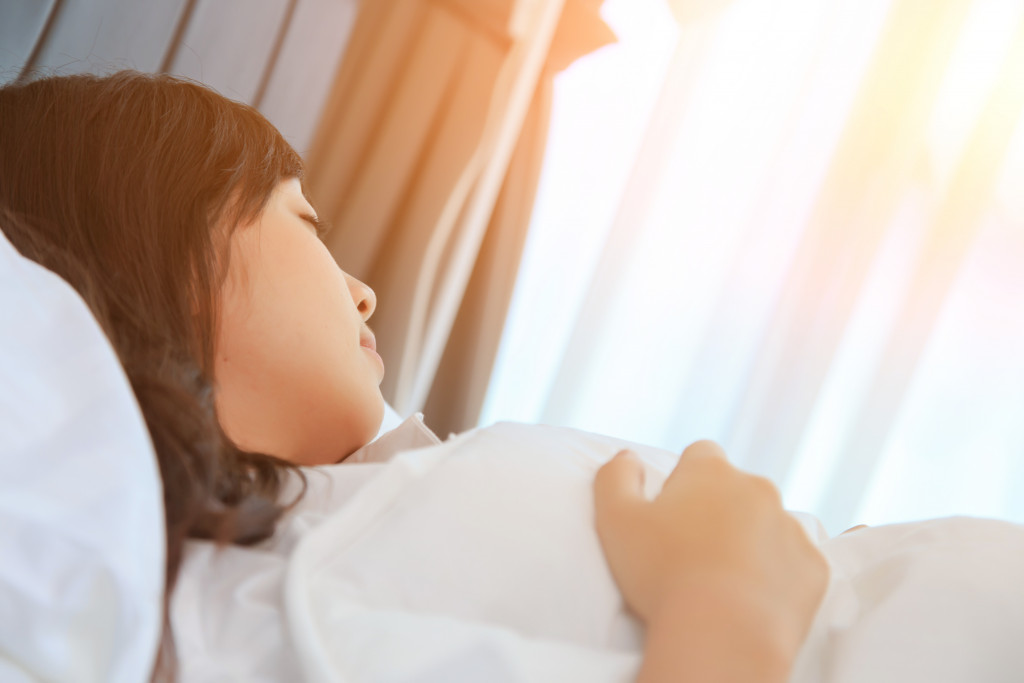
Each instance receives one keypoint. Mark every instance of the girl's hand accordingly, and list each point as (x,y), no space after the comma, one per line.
(714,549)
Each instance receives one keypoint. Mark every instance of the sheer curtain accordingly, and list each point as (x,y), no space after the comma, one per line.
(796,228)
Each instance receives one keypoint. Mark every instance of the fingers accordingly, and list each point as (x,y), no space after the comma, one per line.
(696,457)
(621,478)
(702,449)
(703,473)
(619,483)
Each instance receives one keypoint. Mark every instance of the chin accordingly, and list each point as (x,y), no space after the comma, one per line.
(345,433)
(367,426)
(378,416)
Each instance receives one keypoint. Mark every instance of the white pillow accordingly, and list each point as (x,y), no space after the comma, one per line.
(81,512)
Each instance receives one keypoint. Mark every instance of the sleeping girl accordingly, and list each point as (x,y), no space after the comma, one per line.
(511,553)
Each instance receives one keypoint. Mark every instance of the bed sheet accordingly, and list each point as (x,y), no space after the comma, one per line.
(476,560)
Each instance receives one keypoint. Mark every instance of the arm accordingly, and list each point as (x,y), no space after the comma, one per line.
(726,582)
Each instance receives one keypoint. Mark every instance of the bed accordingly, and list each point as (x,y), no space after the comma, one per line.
(471,559)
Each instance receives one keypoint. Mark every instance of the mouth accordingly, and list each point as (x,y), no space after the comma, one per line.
(368,340)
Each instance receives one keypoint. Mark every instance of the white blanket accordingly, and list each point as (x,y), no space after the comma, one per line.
(476,560)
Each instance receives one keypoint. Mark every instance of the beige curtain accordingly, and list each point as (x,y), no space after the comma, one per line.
(426,162)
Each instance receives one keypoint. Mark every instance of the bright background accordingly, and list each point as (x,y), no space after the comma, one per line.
(796,228)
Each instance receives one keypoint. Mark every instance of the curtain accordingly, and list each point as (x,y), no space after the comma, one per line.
(425,163)
(811,250)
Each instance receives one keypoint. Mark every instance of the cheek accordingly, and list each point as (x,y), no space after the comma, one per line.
(290,317)
(292,378)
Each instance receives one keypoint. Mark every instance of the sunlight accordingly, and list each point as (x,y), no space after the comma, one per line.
(602,105)
(735,237)
(984,42)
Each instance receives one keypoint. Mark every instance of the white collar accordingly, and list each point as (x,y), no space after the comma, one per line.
(412,433)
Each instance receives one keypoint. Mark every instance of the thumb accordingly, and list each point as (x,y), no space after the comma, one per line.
(618,484)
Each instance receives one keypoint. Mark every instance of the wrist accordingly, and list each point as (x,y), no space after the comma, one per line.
(718,629)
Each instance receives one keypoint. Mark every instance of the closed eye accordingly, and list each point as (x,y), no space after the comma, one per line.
(321,227)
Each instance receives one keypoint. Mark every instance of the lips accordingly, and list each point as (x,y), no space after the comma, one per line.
(368,340)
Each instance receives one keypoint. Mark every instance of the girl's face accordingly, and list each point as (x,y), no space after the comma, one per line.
(297,375)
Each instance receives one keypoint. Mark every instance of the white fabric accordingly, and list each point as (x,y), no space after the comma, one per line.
(227,605)
(938,601)
(391,420)
(476,560)
(81,514)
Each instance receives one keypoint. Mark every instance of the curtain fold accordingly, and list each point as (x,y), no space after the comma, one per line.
(434,112)
(953,228)
(458,391)
(869,175)
(815,239)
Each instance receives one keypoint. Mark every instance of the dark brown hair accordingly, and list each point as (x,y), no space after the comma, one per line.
(121,185)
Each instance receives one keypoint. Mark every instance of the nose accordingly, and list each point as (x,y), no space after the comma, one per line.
(362,295)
